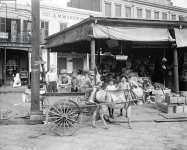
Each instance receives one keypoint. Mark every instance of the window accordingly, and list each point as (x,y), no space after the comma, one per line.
(128,12)
(77,64)
(61,63)
(173,17)
(156,15)
(118,10)
(164,16)
(45,28)
(63,26)
(2,25)
(148,13)
(139,13)
(26,26)
(181,18)
(108,9)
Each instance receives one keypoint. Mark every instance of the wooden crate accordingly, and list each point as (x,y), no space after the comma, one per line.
(166,108)
(179,109)
(175,99)
(185,109)
(172,108)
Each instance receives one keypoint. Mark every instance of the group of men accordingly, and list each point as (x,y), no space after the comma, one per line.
(77,81)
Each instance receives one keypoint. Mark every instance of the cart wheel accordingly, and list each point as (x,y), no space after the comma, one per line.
(64,117)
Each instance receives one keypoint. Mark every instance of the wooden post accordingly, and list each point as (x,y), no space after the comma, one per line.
(5,66)
(48,59)
(175,70)
(92,54)
(93,58)
(29,62)
(35,66)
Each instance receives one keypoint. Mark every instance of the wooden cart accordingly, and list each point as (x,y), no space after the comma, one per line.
(64,115)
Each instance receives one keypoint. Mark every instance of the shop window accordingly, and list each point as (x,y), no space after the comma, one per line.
(61,64)
(156,15)
(164,16)
(181,18)
(128,12)
(2,25)
(118,10)
(77,64)
(173,17)
(186,18)
(63,26)
(148,13)
(108,9)
(139,13)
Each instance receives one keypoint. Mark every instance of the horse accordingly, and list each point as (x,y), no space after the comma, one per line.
(105,99)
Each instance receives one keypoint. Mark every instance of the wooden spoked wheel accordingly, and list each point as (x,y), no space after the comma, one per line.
(64,117)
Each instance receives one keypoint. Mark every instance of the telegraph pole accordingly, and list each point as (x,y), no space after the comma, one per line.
(35,57)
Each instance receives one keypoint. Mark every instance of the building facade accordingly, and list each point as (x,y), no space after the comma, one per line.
(133,9)
(15,38)
(15,28)
(144,9)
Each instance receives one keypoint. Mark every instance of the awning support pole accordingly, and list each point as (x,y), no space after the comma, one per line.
(93,54)
(48,59)
(5,67)
(29,63)
(176,72)
(93,57)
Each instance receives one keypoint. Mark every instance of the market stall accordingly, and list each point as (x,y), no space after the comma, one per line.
(149,45)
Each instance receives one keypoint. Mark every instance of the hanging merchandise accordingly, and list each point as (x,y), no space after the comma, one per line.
(121,57)
(112,43)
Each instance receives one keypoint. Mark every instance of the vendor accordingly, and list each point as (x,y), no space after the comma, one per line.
(17,81)
(51,80)
(74,82)
(64,78)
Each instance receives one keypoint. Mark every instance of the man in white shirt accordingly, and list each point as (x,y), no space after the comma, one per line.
(51,79)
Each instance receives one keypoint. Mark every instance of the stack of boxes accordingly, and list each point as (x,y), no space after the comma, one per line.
(176,103)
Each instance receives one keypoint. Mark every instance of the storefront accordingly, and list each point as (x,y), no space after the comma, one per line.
(149,45)
(14,61)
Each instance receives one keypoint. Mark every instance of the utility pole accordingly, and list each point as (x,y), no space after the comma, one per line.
(35,66)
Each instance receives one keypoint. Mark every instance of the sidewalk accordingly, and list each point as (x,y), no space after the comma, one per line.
(10,89)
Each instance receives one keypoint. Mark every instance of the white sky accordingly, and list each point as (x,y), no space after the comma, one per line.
(181,3)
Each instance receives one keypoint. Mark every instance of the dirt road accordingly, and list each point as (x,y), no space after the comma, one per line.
(143,136)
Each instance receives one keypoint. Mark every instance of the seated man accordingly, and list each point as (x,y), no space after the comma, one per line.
(17,81)
(64,81)
(74,82)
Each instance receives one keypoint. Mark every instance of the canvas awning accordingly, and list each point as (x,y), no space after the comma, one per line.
(137,34)
(87,29)
(181,37)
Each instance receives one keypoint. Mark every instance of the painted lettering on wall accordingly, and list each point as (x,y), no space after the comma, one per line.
(62,16)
